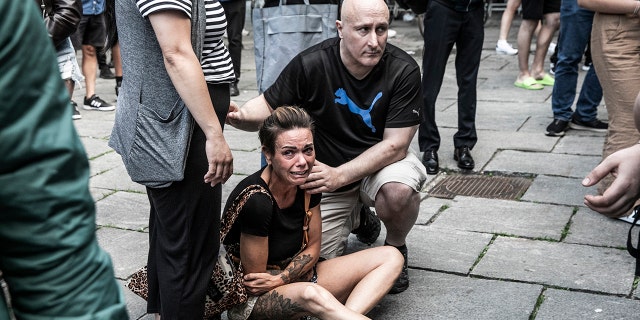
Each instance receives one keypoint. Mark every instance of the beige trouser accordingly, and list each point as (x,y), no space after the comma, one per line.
(615,48)
(341,210)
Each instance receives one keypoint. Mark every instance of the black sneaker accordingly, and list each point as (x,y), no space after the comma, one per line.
(369,228)
(76,113)
(557,128)
(95,103)
(106,73)
(595,125)
(402,283)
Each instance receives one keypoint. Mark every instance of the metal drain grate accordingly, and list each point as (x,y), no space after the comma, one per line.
(493,187)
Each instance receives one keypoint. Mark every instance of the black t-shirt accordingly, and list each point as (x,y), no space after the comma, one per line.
(262,217)
(350,115)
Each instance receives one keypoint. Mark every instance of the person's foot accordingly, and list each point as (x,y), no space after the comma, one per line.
(233,89)
(95,103)
(391,33)
(464,158)
(76,113)
(557,128)
(369,228)
(586,66)
(594,125)
(430,161)
(106,73)
(503,47)
(402,283)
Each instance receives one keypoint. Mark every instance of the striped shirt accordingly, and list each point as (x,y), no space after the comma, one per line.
(216,61)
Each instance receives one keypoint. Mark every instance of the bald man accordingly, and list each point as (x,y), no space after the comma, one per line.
(365,99)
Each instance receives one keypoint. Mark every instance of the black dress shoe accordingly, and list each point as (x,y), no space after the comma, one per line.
(464,158)
(430,161)
(233,89)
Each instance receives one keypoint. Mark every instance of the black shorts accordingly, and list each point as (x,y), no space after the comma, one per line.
(536,9)
(92,31)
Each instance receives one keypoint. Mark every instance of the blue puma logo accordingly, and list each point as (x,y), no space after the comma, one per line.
(341,98)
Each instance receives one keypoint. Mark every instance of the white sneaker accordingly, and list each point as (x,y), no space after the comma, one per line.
(503,47)
(552,48)
(391,33)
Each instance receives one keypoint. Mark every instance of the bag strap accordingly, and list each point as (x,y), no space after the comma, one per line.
(307,219)
(635,252)
(232,213)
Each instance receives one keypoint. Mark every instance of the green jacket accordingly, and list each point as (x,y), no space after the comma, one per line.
(49,254)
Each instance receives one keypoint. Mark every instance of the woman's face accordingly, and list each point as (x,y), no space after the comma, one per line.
(294,156)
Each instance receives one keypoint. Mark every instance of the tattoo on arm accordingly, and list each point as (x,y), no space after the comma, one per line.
(272,305)
(295,269)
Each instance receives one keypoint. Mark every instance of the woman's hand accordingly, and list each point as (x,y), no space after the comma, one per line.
(259,283)
(220,161)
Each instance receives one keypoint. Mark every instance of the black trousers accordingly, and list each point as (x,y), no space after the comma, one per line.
(235,10)
(184,228)
(445,27)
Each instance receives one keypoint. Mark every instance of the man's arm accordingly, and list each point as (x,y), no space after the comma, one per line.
(393,147)
(609,6)
(251,115)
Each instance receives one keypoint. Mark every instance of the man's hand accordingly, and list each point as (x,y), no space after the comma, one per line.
(233,115)
(624,165)
(323,178)
(220,161)
(259,283)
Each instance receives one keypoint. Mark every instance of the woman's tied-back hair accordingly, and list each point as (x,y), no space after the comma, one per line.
(283,119)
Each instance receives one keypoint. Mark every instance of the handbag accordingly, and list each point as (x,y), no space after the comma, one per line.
(281,32)
(634,252)
(225,288)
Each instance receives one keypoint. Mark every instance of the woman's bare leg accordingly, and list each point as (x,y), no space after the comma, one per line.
(298,299)
(361,279)
(551,24)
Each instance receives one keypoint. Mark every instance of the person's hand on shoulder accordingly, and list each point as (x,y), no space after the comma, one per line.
(624,165)
(233,115)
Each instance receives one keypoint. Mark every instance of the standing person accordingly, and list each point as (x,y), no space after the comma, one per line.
(575,28)
(91,34)
(279,244)
(363,96)
(615,58)
(51,266)
(235,11)
(170,81)
(502,46)
(533,11)
(61,18)
(461,24)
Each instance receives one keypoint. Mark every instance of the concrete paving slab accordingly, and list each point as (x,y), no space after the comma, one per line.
(494,216)
(591,228)
(543,163)
(557,264)
(567,305)
(557,190)
(124,210)
(444,296)
(245,162)
(128,249)
(429,207)
(104,162)
(445,249)
(580,144)
(95,124)
(95,146)
(116,178)
(241,140)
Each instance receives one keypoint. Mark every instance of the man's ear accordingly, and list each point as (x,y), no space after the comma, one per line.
(339,27)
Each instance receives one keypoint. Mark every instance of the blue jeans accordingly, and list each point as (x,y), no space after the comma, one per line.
(575,28)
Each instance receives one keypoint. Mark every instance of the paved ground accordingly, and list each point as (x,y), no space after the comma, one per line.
(542,256)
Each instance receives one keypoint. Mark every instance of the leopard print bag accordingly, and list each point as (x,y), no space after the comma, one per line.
(225,289)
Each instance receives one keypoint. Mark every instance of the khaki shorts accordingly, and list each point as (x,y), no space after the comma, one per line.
(341,210)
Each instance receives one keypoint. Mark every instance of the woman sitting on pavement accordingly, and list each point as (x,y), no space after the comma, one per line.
(283,276)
